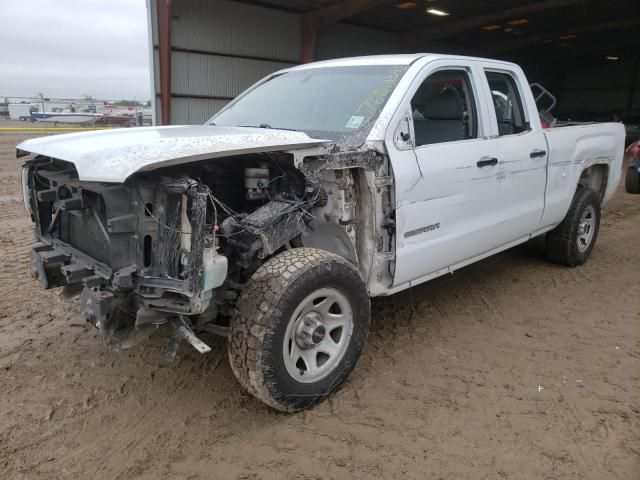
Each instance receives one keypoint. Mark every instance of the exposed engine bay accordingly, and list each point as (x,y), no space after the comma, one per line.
(174,246)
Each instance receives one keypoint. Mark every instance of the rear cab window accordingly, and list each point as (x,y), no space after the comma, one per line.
(507,103)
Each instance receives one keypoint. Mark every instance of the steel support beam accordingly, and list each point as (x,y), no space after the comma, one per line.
(536,39)
(313,21)
(309,40)
(413,39)
(165,15)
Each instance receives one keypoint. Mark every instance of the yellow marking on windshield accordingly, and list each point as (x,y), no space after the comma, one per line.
(378,97)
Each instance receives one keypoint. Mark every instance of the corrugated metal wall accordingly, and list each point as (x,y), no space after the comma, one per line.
(342,40)
(190,111)
(236,45)
(221,47)
(236,28)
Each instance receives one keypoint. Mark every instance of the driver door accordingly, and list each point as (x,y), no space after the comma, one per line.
(446,178)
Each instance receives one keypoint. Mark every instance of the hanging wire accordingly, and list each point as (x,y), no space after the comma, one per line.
(295,206)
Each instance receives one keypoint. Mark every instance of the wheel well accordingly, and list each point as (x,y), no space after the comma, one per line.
(595,178)
(330,238)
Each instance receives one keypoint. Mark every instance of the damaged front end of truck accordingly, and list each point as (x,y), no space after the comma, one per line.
(162,247)
(172,247)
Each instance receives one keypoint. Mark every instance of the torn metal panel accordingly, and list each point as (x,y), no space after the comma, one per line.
(311,166)
(268,228)
(276,223)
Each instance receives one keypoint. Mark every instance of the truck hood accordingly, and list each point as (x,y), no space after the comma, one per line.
(114,155)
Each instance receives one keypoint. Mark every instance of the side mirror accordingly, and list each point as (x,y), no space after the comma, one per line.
(403,139)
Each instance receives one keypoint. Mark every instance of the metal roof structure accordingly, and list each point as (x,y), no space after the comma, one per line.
(207,51)
(486,26)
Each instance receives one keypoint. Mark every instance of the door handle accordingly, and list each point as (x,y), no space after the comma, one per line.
(538,153)
(487,162)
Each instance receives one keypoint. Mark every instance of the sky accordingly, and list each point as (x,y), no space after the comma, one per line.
(70,48)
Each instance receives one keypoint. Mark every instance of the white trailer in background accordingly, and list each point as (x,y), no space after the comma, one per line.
(22,111)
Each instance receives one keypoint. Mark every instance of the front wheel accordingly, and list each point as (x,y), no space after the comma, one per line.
(571,242)
(300,328)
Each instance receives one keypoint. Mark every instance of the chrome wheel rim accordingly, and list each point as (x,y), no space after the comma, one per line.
(586,228)
(317,335)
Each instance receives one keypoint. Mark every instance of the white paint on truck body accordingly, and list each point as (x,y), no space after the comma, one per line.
(573,149)
(114,155)
(482,211)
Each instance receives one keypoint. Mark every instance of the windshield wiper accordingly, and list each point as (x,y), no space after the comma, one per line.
(267,126)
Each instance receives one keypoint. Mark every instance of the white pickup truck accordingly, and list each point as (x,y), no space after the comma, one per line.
(317,188)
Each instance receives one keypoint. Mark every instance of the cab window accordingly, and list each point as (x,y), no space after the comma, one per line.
(444,109)
(507,104)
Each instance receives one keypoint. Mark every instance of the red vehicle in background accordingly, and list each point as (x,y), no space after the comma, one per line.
(632,180)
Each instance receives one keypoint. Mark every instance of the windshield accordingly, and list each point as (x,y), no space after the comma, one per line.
(336,103)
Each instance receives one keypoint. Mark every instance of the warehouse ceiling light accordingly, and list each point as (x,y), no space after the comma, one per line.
(437,12)
(406,5)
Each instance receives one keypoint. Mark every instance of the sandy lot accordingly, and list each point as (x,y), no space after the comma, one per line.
(512,368)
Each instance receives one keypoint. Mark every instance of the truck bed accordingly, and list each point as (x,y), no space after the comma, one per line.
(573,148)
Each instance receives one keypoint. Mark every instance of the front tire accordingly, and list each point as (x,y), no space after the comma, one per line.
(300,328)
(571,242)
(632,180)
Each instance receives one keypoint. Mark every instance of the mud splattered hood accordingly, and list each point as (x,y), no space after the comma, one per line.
(114,155)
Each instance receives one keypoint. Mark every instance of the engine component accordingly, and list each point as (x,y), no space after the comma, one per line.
(94,307)
(267,228)
(256,181)
(275,223)
(214,268)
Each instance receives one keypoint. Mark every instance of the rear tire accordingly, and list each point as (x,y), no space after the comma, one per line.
(632,180)
(571,242)
(300,328)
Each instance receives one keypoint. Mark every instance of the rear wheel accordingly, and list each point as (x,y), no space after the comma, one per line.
(632,180)
(300,328)
(571,242)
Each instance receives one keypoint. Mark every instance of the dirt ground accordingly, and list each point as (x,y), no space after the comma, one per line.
(512,368)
